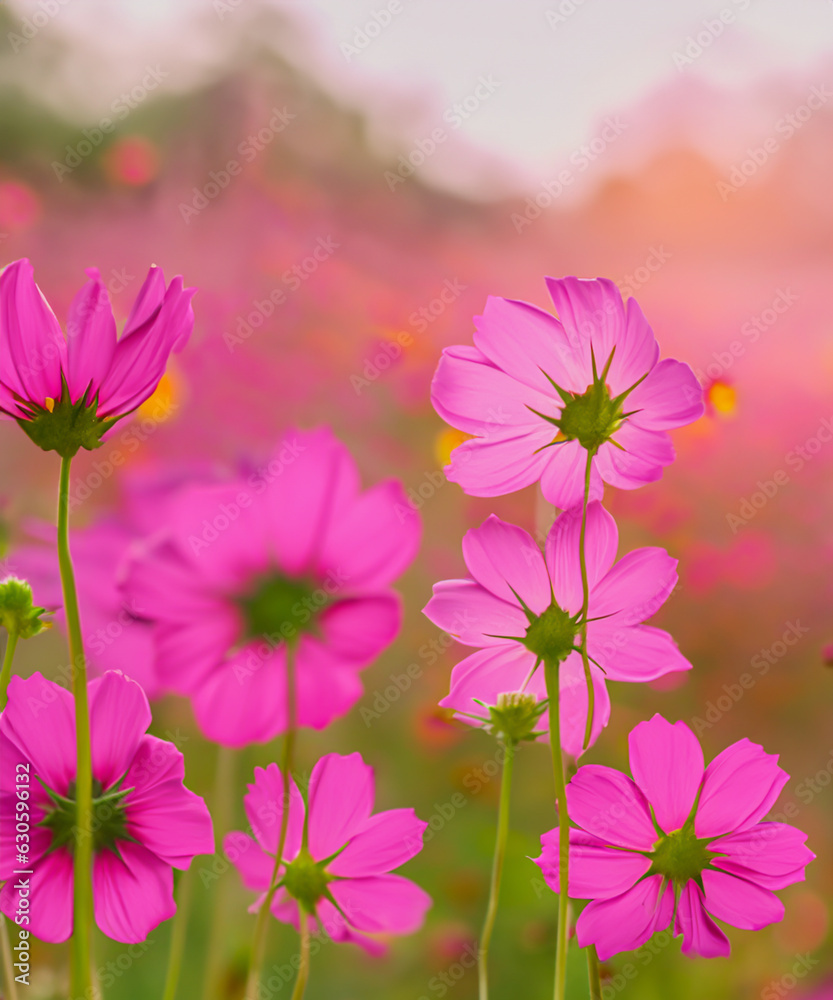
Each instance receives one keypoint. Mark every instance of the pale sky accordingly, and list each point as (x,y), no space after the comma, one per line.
(549,80)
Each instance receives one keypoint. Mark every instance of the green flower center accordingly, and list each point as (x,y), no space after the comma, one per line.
(306,880)
(680,856)
(551,635)
(515,716)
(280,607)
(67,426)
(592,418)
(109,820)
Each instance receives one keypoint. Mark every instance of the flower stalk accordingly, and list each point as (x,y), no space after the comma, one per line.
(81,965)
(303,969)
(551,677)
(6,670)
(509,747)
(262,923)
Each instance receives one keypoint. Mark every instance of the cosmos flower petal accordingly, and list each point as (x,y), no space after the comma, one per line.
(373,540)
(740,903)
(640,458)
(772,854)
(140,358)
(573,704)
(562,480)
(562,552)
(597,871)
(39,720)
(473,615)
(635,588)
(340,801)
(254,864)
(264,808)
(243,699)
(529,345)
(607,804)
(309,481)
(669,397)
(701,935)
(506,561)
(478,398)
(491,466)
(338,929)
(132,892)
(625,922)
(32,346)
(91,338)
(50,898)
(357,629)
(328,686)
(162,813)
(119,717)
(384,842)
(382,904)
(740,786)
(489,673)
(592,313)
(667,764)
(635,653)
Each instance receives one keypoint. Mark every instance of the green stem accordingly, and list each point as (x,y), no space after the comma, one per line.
(6,670)
(221,814)
(497,871)
(262,923)
(551,677)
(8,968)
(303,969)
(594,973)
(81,958)
(585,603)
(180,925)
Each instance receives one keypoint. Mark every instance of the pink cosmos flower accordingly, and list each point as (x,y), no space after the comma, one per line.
(144,820)
(68,392)
(539,393)
(680,841)
(115,635)
(294,553)
(521,606)
(338,865)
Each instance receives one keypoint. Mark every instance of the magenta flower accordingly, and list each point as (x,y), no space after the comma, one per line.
(295,553)
(680,842)
(145,822)
(539,393)
(115,635)
(66,393)
(336,865)
(522,606)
